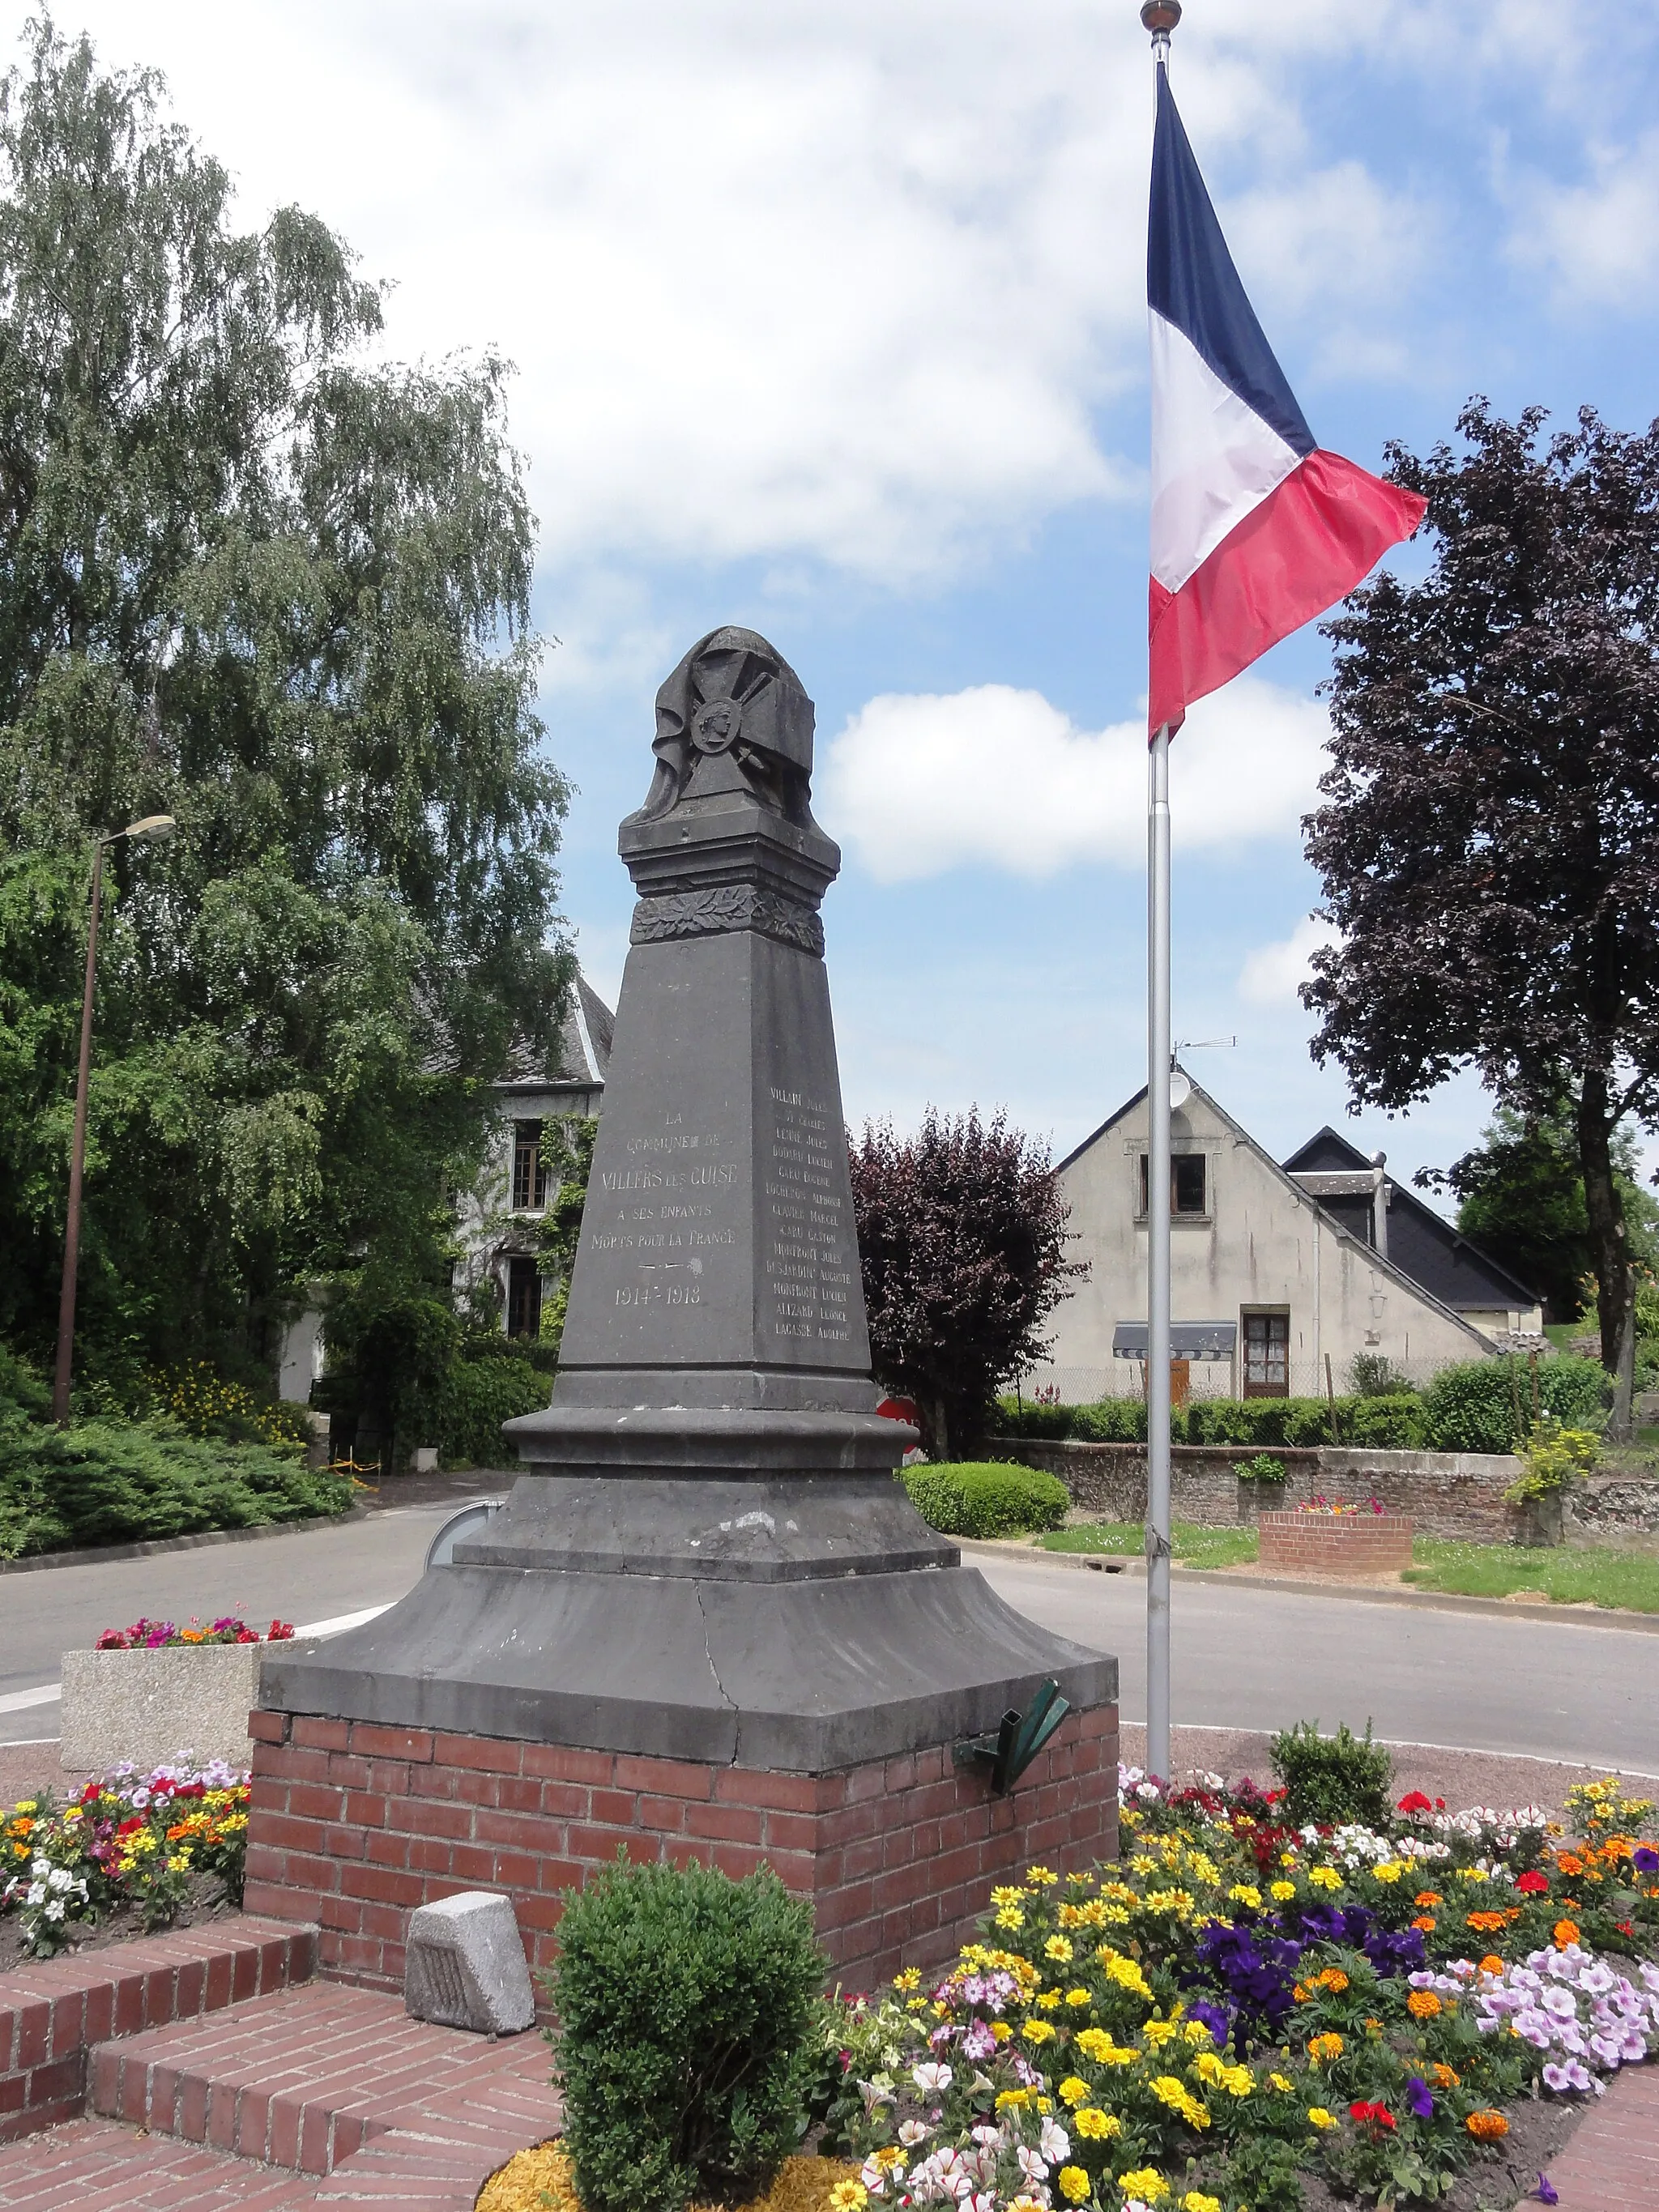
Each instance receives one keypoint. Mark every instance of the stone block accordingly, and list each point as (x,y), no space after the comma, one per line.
(156,1707)
(466,1966)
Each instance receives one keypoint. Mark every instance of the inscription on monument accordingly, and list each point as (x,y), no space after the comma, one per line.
(809,1248)
(668,1216)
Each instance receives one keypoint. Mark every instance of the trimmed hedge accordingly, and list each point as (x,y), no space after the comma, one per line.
(1473,1408)
(985,1498)
(476,1396)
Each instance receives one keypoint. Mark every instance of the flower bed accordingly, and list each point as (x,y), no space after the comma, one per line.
(163,1636)
(132,1842)
(1240,2003)
(1335,1539)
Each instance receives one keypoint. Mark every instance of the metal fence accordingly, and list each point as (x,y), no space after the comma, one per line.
(1204,1378)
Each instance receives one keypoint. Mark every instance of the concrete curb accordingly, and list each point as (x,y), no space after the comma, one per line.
(99,1555)
(1569,1616)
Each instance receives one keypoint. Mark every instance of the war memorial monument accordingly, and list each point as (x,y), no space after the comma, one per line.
(709,1622)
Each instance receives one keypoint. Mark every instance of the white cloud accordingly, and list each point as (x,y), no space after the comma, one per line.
(996,777)
(845,283)
(1273,974)
(1597,239)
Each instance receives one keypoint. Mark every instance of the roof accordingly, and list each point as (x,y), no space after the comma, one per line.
(1389,1263)
(581,1056)
(1432,1250)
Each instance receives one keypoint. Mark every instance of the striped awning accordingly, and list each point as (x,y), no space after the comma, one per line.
(1188,1339)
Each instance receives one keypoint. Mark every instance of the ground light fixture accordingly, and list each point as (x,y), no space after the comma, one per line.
(150,830)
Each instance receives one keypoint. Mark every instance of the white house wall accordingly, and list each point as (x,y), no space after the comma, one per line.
(1262,1244)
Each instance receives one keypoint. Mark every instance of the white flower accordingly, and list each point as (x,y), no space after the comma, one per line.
(35,1894)
(932,2080)
(912,2132)
(1055,2143)
(54,1911)
(1032,2164)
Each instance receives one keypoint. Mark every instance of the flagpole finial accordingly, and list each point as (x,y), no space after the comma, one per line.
(1160,17)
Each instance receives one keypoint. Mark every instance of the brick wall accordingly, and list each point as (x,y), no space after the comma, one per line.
(1449,1494)
(352,1826)
(1336,1544)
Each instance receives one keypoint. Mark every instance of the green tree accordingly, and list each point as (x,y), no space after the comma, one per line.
(251,577)
(561,1227)
(1489,844)
(1521,1197)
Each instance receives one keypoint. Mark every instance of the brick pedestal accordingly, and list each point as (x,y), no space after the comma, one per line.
(353,1824)
(1335,1543)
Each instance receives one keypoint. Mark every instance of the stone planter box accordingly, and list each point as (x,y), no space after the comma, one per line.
(154,1707)
(1335,1543)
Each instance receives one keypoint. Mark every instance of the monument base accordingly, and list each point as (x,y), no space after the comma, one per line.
(354,1824)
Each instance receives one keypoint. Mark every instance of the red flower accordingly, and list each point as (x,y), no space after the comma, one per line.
(1372,2115)
(129,1827)
(1532,1885)
(1415,1801)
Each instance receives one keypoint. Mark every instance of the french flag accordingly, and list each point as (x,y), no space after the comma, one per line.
(1255,530)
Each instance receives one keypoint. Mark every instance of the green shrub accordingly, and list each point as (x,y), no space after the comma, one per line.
(476,1397)
(1374,1374)
(1012,1416)
(1552,1458)
(1261,1469)
(1386,1423)
(1113,1421)
(22,1386)
(684,2002)
(110,1482)
(1485,1404)
(984,1499)
(205,1403)
(1335,1778)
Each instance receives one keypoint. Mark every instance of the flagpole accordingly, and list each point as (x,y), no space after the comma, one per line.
(1160,18)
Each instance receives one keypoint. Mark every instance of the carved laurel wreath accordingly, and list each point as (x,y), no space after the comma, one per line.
(727,906)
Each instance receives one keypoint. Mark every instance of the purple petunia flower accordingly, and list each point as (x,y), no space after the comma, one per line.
(1418,2097)
(1546,2192)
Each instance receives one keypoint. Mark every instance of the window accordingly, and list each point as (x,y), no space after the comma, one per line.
(1188,1184)
(523,1298)
(529,1168)
(1267,1355)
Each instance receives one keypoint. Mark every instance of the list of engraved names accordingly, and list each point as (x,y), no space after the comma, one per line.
(809,1244)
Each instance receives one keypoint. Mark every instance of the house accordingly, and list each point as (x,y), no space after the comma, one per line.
(1275,1271)
(495,1220)
(498,1219)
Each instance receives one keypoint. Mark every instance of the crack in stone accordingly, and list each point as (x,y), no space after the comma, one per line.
(707,1649)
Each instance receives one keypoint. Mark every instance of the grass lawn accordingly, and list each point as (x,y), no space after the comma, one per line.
(1620,1580)
(1607,1578)
(1194,1547)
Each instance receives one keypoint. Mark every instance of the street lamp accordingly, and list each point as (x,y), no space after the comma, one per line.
(149,831)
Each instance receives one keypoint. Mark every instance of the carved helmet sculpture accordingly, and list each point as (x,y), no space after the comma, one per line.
(734,716)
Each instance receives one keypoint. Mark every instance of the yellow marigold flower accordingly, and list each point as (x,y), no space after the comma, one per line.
(1391,1870)
(1043,2104)
(1075,2185)
(1487,2127)
(1423,2004)
(1042,1874)
(1095,2126)
(1279,2082)
(1038,2031)
(849,2197)
(1124,1972)
(1208,2067)
(1324,2048)
(1158,2032)
(1072,2091)
(1325,1877)
(1473,1873)
(1049,2000)
(1005,2097)
(1445,2077)
(1282,1892)
(1077,1997)
(1000,2029)
(1196,2201)
(1145,2182)
(1011,1917)
(1179,2099)
(1320,2118)
(1287,1858)
(1198,2035)
(1244,1892)
(1058,1947)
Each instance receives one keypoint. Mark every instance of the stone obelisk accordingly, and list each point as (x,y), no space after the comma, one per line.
(705,1561)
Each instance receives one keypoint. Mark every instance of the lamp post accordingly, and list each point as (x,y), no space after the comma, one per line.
(149,831)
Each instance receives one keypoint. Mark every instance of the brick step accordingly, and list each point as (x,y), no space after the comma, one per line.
(94,2165)
(52,2009)
(304,2078)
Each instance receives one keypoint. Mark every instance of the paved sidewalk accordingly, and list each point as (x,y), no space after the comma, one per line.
(1612,2163)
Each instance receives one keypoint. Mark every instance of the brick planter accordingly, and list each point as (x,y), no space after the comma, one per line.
(353,1825)
(1335,1543)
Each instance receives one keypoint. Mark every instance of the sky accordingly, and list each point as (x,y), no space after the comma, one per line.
(829,318)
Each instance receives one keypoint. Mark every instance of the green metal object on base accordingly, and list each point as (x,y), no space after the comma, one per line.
(1018,1740)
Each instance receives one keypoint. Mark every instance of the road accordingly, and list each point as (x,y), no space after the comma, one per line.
(1245,1657)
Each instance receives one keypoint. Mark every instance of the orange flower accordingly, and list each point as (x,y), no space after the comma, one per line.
(1428,1898)
(1569,1863)
(1487,2127)
(1485,1923)
(1445,2077)
(1566,1931)
(1423,2004)
(1425,1922)
(1323,2047)
(1491,1964)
